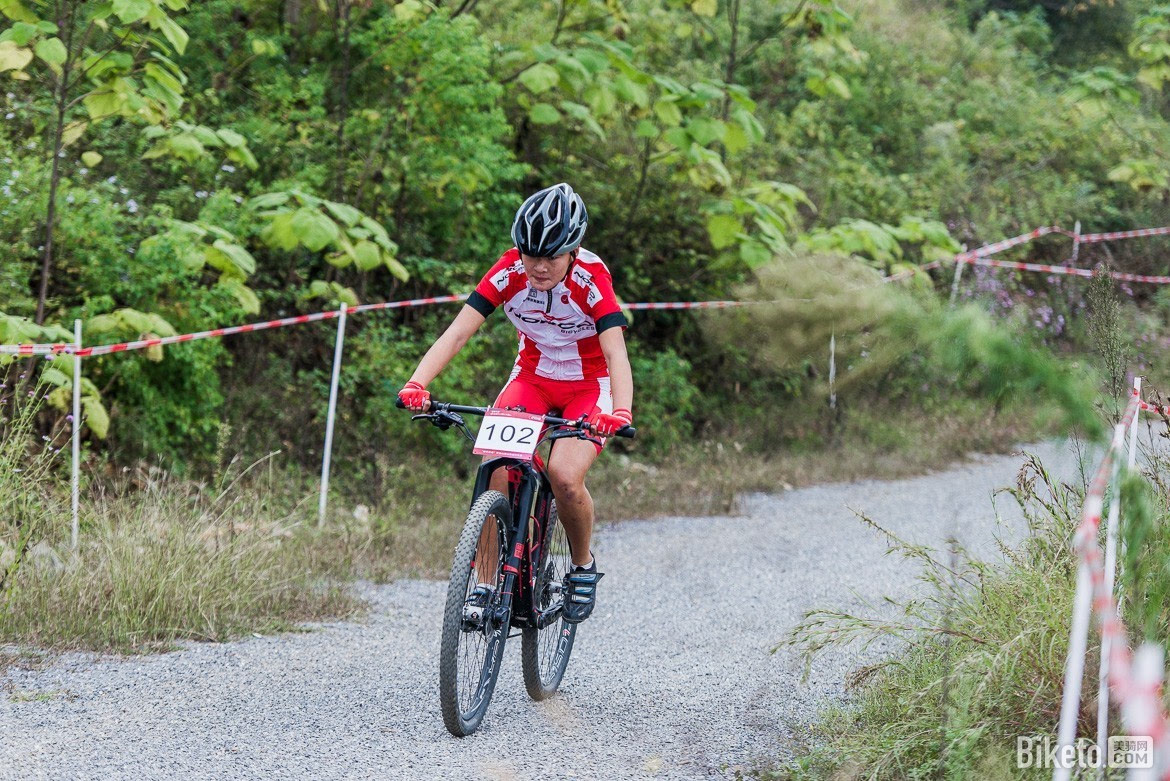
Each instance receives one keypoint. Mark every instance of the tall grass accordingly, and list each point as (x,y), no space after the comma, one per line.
(27,462)
(982,659)
(160,563)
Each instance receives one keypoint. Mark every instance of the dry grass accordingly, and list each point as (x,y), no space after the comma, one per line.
(164,560)
(983,651)
(166,565)
(878,444)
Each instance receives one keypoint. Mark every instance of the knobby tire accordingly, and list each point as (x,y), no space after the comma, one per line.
(469,661)
(544,653)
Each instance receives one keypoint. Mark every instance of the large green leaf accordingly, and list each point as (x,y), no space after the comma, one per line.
(314,229)
(244,295)
(705,7)
(584,116)
(706,130)
(16,11)
(269,200)
(231,137)
(668,112)
(381,237)
(13,57)
(724,230)
(601,99)
(186,147)
(20,33)
(344,213)
(175,34)
(101,324)
(52,51)
(95,416)
(55,377)
(630,91)
(540,78)
(367,255)
(280,232)
(735,139)
(130,11)
(544,114)
(103,102)
(395,267)
(240,257)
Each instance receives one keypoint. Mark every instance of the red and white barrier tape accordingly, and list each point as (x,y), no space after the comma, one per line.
(61,348)
(977,257)
(692,305)
(142,344)
(1000,246)
(1092,238)
(1045,268)
(1139,699)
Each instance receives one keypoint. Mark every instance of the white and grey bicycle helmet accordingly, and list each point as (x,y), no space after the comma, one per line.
(550,223)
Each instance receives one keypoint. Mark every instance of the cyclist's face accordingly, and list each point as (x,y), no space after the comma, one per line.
(546,273)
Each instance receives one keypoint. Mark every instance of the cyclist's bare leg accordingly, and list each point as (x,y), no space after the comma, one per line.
(569,461)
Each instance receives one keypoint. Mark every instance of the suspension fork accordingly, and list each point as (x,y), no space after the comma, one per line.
(517,549)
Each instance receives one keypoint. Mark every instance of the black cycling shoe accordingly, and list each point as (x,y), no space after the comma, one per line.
(580,593)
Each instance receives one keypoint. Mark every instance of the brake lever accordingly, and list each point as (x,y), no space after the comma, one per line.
(442,420)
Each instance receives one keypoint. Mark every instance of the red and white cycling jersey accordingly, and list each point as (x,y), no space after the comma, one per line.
(557,328)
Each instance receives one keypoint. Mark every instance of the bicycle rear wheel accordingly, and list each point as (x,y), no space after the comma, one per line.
(473,638)
(544,653)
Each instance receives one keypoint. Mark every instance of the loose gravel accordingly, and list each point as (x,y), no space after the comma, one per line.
(673,676)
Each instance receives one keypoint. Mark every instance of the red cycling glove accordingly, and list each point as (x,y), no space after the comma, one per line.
(415,396)
(606,424)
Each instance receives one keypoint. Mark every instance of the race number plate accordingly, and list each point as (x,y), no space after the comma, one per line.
(509,434)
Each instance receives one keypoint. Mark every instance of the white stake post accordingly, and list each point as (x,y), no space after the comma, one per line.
(1133,427)
(959,265)
(329,418)
(75,529)
(833,371)
(1119,433)
(1076,242)
(1074,671)
(1140,713)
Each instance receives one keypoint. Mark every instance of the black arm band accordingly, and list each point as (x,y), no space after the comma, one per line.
(612,320)
(479,303)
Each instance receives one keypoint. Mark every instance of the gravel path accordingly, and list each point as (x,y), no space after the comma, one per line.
(671,678)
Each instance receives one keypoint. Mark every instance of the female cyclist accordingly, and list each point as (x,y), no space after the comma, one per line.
(572,359)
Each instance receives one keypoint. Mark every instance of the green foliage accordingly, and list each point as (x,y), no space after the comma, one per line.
(982,648)
(882,245)
(671,410)
(27,465)
(882,331)
(1145,558)
(297,219)
(267,160)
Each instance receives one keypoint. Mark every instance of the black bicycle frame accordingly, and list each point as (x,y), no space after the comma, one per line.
(529,496)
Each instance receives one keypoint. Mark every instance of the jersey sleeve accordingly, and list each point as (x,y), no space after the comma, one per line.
(489,293)
(603,304)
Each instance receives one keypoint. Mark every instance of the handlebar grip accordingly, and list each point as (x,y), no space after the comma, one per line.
(626,431)
(398,402)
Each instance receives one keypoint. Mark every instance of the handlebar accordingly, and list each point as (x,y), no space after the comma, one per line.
(627,432)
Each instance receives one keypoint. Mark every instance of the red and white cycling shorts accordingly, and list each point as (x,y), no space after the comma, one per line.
(567,398)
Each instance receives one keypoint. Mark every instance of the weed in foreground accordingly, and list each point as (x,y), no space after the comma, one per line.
(168,563)
(982,660)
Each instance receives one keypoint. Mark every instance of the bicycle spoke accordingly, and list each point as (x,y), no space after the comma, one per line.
(477,647)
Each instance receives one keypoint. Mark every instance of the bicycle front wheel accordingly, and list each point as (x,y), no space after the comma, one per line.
(544,653)
(473,633)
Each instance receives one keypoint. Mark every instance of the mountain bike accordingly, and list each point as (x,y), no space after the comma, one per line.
(509,567)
